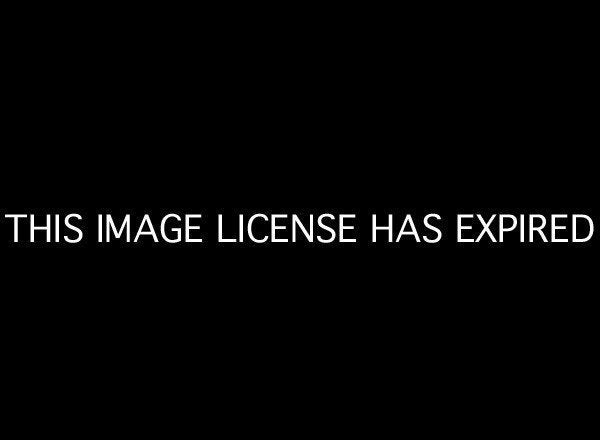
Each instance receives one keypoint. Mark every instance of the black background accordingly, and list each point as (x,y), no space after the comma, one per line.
(386,112)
